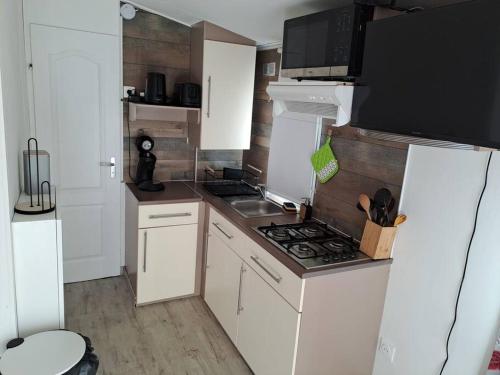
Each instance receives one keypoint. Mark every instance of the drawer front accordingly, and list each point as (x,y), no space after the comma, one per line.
(281,279)
(163,215)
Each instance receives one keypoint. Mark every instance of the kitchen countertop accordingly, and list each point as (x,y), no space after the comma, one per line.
(175,192)
(247,225)
(181,192)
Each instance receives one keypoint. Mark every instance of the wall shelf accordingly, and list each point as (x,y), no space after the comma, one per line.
(140,111)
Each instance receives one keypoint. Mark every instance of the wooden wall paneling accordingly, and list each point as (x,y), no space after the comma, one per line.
(366,165)
(152,27)
(262,115)
(154,43)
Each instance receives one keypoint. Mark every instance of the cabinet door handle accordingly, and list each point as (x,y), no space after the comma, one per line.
(217,225)
(168,216)
(259,263)
(240,308)
(145,250)
(209,95)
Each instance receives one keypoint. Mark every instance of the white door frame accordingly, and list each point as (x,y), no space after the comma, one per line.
(8,315)
(32,127)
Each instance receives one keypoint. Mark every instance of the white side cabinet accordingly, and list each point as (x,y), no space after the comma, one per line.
(160,249)
(38,272)
(223,63)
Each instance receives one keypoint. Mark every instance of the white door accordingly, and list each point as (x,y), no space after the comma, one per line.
(222,284)
(267,328)
(167,262)
(77,120)
(228,87)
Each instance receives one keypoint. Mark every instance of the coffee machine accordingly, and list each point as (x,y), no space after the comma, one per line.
(146,165)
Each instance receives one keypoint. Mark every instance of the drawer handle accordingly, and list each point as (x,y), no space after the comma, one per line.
(259,263)
(217,225)
(168,216)
(145,251)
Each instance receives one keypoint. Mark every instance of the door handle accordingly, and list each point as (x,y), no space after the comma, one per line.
(240,307)
(209,94)
(112,164)
(145,251)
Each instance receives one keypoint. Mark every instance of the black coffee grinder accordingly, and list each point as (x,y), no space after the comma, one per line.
(146,165)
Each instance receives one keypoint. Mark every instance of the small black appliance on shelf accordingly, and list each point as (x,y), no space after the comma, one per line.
(187,95)
(156,92)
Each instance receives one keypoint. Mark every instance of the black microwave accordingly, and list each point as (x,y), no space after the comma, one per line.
(326,45)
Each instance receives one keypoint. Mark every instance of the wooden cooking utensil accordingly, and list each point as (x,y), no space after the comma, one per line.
(365,202)
(400,219)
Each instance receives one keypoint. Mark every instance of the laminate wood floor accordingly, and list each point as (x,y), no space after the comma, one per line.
(177,337)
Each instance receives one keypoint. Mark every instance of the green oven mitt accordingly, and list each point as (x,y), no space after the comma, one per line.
(324,162)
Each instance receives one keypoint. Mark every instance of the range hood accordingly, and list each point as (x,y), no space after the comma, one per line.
(325,99)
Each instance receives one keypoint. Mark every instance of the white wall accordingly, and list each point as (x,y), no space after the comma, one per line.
(12,63)
(14,130)
(8,324)
(440,194)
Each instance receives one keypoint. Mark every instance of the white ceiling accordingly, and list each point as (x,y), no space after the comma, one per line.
(260,20)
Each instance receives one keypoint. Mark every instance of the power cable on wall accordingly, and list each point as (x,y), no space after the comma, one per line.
(466,263)
(129,144)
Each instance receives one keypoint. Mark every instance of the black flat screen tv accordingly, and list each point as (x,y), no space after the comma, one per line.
(434,74)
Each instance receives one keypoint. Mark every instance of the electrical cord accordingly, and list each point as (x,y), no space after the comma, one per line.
(466,264)
(129,144)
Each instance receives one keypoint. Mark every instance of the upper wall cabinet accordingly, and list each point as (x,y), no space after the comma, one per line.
(223,63)
(98,16)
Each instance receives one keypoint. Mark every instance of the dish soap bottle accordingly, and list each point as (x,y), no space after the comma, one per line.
(305,212)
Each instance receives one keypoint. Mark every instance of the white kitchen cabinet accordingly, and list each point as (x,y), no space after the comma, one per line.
(167,260)
(227,96)
(161,247)
(267,328)
(261,324)
(225,68)
(320,324)
(222,284)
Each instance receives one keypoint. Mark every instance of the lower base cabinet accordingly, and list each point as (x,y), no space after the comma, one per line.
(222,284)
(261,324)
(167,261)
(267,327)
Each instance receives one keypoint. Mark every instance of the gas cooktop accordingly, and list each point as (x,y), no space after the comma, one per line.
(314,244)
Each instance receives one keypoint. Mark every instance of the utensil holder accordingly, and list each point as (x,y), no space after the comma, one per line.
(377,240)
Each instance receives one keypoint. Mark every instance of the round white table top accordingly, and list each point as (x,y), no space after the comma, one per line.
(45,353)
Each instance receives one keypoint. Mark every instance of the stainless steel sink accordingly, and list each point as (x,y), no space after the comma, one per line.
(255,207)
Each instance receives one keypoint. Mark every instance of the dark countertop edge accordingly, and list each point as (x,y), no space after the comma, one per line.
(247,227)
(163,195)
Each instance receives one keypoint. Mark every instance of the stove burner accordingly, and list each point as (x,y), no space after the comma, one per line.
(303,247)
(336,243)
(302,250)
(279,233)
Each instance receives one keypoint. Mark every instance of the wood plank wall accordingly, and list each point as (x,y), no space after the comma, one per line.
(262,116)
(154,43)
(365,164)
